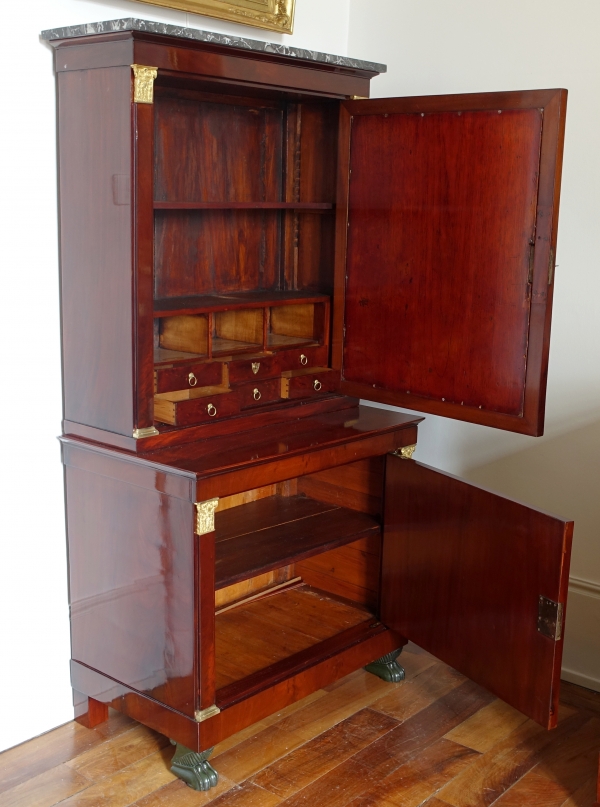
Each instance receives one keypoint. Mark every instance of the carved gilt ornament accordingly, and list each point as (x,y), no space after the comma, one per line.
(143,83)
(275,15)
(205,516)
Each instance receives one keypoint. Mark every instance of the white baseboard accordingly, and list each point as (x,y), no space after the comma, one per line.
(581,660)
(579,679)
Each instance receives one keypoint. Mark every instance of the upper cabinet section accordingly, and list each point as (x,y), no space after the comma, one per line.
(197,193)
(447,216)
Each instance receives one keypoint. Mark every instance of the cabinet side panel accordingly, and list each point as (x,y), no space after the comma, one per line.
(131,571)
(94,113)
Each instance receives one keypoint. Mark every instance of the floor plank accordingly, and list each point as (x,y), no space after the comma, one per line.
(178,794)
(316,758)
(128,785)
(499,769)
(46,789)
(579,697)
(364,770)
(419,778)
(487,727)
(583,797)
(118,753)
(23,762)
(565,767)
(419,692)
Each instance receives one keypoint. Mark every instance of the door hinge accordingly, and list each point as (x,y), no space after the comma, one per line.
(551,265)
(531,257)
(405,453)
(550,618)
(204,714)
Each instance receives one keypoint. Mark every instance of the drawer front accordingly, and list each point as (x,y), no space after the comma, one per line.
(259,393)
(196,410)
(196,375)
(303,357)
(317,381)
(253,368)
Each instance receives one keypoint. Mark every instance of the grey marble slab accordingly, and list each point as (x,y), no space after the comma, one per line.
(133,24)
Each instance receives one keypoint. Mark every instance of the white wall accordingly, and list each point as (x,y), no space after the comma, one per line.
(434,47)
(34,627)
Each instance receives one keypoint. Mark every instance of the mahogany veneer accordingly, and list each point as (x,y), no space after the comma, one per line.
(237,253)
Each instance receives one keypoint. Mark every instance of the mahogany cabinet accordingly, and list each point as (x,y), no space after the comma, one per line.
(248,246)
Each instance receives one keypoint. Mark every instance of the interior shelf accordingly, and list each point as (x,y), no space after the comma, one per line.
(260,536)
(174,306)
(259,642)
(316,206)
(164,356)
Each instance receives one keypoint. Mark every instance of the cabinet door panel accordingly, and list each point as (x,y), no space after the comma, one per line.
(447,215)
(463,573)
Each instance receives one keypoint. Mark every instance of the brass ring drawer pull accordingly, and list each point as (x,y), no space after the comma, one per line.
(256,394)
(303,360)
(317,384)
(212,410)
(192,380)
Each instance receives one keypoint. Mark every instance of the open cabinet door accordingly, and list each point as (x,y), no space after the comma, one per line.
(477,580)
(447,214)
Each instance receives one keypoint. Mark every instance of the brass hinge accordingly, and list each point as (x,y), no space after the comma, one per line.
(550,618)
(531,258)
(143,83)
(150,431)
(405,453)
(359,98)
(204,714)
(205,516)
(551,266)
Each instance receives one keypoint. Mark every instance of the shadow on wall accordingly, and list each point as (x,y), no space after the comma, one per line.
(562,476)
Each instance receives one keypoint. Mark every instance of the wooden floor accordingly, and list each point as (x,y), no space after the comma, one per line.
(435,740)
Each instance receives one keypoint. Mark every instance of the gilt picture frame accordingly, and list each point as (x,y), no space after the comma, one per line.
(275,15)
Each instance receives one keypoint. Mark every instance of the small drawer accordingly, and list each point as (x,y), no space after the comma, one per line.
(259,393)
(254,367)
(309,383)
(188,377)
(198,406)
(303,357)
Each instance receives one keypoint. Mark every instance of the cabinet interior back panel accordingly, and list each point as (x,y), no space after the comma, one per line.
(195,253)
(217,152)
(233,153)
(442,212)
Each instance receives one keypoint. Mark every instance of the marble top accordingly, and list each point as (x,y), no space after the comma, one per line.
(133,24)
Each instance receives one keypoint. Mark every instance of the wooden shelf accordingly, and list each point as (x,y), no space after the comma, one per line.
(261,642)
(315,206)
(164,356)
(260,536)
(175,306)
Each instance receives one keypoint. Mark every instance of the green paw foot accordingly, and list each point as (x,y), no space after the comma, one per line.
(193,768)
(387,668)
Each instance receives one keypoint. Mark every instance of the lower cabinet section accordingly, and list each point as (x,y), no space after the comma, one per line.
(198,630)
(213,584)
